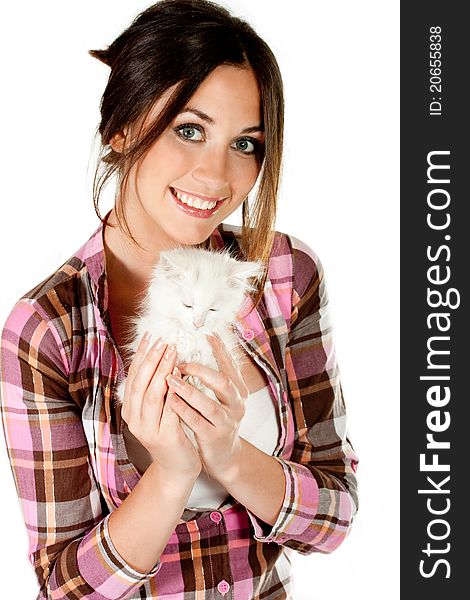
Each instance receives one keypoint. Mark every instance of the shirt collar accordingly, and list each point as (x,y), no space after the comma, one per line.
(93,255)
(249,320)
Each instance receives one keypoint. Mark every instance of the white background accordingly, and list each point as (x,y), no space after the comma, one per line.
(339,62)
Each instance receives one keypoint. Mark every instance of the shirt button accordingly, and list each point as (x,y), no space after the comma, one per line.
(223,587)
(248,334)
(216,517)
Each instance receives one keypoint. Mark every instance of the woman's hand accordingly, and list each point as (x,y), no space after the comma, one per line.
(215,425)
(149,415)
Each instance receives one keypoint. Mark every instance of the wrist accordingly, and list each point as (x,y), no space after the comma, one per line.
(173,484)
(229,472)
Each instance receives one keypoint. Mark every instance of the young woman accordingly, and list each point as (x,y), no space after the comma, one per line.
(192,115)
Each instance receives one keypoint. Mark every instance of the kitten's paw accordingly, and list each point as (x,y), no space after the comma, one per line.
(194,381)
(190,434)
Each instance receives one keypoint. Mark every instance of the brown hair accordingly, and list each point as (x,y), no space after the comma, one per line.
(180,42)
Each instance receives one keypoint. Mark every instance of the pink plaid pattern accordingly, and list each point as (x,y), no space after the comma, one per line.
(59,365)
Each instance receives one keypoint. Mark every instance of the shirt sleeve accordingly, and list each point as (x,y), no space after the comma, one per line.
(320,500)
(70,547)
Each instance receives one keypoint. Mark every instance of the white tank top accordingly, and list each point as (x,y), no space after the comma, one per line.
(261,427)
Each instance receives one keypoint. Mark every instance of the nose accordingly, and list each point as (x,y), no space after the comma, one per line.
(199,319)
(212,172)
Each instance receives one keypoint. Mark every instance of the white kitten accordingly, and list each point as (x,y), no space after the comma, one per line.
(193,292)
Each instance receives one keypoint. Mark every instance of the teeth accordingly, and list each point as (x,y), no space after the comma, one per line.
(195,202)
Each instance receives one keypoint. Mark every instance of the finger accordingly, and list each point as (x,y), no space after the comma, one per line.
(170,421)
(226,363)
(191,417)
(165,367)
(200,405)
(139,355)
(139,384)
(218,381)
(153,399)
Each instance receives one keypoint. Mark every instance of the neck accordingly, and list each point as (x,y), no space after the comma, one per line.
(125,261)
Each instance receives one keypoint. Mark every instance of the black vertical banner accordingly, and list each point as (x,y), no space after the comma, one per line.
(435,258)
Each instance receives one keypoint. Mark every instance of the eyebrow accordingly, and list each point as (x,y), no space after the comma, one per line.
(211,121)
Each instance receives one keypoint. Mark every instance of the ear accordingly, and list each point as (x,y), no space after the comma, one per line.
(243,271)
(169,267)
(118,141)
(165,261)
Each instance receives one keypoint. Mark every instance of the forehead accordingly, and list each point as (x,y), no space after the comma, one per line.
(229,86)
(229,95)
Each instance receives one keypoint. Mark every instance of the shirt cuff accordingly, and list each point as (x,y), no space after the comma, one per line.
(299,507)
(103,568)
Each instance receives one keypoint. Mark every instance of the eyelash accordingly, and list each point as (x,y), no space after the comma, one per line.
(257,145)
(189,306)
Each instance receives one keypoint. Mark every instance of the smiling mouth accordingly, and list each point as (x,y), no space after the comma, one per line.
(195,206)
(195,201)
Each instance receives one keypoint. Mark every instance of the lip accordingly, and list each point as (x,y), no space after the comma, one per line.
(196,212)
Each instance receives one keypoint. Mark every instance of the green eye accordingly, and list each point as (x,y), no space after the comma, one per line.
(189,132)
(247,145)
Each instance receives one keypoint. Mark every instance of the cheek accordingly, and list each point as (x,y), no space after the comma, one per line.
(211,317)
(184,315)
(164,162)
(245,176)
(228,311)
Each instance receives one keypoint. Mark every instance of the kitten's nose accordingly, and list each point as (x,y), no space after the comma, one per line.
(198,324)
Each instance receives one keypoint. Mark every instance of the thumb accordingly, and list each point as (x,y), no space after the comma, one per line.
(170,420)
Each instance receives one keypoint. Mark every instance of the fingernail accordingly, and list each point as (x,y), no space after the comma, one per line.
(157,344)
(175,370)
(169,352)
(173,381)
(146,337)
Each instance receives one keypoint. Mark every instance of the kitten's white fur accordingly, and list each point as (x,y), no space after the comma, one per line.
(193,292)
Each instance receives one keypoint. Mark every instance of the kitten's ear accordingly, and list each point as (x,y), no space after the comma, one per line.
(169,267)
(243,271)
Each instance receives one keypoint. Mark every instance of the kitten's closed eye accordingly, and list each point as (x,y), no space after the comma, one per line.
(190,306)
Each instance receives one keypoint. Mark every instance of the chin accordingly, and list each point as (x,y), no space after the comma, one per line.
(193,238)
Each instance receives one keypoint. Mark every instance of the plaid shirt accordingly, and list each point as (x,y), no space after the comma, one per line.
(64,438)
